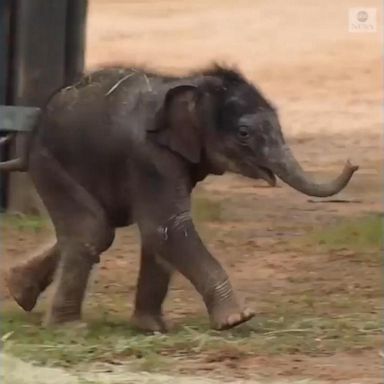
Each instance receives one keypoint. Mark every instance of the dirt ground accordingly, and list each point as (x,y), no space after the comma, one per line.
(327,85)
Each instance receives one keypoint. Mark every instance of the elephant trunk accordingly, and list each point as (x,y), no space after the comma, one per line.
(287,168)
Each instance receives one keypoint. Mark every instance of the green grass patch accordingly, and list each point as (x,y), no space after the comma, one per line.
(22,222)
(365,233)
(114,340)
(206,210)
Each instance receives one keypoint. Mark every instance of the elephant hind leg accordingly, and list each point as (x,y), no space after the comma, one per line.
(27,280)
(83,232)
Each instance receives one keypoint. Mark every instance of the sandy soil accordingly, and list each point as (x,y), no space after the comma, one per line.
(327,85)
(15,371)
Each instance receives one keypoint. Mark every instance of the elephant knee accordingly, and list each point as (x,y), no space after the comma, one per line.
(180,222)
(158,233)
(89,245)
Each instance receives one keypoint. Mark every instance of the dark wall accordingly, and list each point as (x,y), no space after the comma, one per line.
(44,51)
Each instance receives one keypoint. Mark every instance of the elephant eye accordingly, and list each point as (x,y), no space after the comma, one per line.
(243,132)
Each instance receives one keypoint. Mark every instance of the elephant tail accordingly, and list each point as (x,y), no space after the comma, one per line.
(20,164)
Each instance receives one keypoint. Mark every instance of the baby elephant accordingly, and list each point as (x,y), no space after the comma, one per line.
(126,146)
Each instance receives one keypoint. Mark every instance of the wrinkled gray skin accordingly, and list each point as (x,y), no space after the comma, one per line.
(123,147)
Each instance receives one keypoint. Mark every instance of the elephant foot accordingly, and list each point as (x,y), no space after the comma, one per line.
(148,323)
(228,317)
(72,327)
(57,318)
(21,287)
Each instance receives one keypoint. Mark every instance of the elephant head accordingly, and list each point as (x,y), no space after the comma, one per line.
(220,115)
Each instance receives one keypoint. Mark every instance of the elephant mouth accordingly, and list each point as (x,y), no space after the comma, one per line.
(267,175)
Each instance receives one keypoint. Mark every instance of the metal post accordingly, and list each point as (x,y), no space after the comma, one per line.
(48,45)
(4,37)
(75,39)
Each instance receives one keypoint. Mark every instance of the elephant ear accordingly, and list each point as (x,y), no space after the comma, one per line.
(177,125)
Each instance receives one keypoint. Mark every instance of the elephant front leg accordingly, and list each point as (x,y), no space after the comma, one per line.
(152,287)
(180,245)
